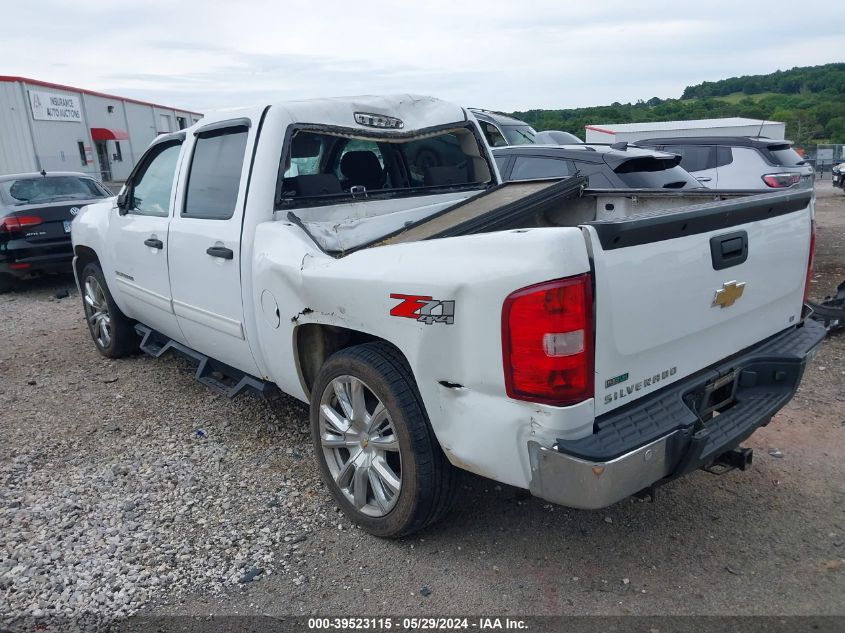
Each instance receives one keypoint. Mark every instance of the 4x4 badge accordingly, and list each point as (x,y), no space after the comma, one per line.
(424,309)
(728,295)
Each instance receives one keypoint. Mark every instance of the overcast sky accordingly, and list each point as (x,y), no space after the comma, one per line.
(502,55)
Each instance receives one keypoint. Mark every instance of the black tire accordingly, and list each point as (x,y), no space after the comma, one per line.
(7,283)
(428,480)
(123,339)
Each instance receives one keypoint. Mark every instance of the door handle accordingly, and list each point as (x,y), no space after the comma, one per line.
(154,243)
(703,178)
(220,251)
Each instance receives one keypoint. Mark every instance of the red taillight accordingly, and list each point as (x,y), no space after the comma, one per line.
(781,181)
(15,223)
(811,260)
(547,342)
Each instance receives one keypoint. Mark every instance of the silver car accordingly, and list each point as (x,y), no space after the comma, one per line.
(738,162)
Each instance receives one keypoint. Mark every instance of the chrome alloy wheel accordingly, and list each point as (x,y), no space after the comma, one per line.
(97,312)
(360,446)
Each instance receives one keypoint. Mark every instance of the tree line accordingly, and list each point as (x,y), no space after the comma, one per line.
(808,99)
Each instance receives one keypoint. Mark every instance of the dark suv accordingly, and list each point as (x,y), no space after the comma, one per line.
(738,162)
(606,167)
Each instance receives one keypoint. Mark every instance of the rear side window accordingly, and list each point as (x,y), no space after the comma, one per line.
(784,156)
(654,173)
(531,167)
(215,175)
(724,156)
(694,157)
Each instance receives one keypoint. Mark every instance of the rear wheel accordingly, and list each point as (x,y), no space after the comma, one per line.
(113,333)
(375,448)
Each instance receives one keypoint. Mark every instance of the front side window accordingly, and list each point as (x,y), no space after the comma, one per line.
(152,186)
(493,135)
(215,175)
(535,167)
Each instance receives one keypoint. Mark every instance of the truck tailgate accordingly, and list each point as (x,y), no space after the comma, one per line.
(676,292)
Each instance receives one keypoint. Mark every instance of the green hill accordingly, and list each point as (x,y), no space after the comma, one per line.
(810,100)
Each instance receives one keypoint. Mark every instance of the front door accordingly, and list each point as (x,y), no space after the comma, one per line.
(103,158)
(139,241)
(205,247)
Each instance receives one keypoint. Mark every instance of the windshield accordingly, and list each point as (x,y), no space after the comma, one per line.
(325,167)
(519,134)
(51,188)
(655,173)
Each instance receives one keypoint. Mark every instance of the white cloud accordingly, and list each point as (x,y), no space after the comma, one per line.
(498,54)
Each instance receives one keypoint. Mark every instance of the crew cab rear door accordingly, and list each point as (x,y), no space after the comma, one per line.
(676,292)
(205,242)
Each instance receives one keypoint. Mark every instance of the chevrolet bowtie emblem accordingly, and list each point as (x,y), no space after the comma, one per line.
(728,294)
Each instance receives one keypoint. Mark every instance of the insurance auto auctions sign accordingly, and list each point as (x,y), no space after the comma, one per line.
(50,106)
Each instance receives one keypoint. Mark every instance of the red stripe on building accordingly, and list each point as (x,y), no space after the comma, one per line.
(599,129)
(47,84)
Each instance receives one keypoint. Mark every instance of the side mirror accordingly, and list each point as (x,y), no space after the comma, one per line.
(123,202)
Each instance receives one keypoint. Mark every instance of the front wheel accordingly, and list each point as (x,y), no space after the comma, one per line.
(112,331)
(375,448)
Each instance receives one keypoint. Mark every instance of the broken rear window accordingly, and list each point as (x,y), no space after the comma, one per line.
(324,168)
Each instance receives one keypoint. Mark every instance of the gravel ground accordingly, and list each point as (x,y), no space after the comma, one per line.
(126,487)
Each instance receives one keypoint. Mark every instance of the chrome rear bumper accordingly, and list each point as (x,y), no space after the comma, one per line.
(670,433)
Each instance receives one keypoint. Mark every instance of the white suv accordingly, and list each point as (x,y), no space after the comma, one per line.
(738,162)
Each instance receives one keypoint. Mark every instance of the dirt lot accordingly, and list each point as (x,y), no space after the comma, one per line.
(127,487)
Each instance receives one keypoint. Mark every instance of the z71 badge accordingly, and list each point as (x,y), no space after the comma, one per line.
(423,309)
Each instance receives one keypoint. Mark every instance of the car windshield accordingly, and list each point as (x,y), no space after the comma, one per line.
(51,188)
(655,173)
(519,134)
(785,156)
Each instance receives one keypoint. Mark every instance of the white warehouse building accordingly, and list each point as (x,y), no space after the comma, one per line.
(60,128)
(730,126)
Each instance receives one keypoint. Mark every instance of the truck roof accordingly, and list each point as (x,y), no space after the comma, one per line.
(414,111)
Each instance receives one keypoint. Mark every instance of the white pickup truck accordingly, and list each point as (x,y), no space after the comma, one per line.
(362,255)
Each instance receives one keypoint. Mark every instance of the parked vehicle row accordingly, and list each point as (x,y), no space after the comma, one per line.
(582,344)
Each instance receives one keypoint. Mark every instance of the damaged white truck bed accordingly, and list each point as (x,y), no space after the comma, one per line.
(361,255)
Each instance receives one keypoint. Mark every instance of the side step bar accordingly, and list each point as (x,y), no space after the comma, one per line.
(231,382)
